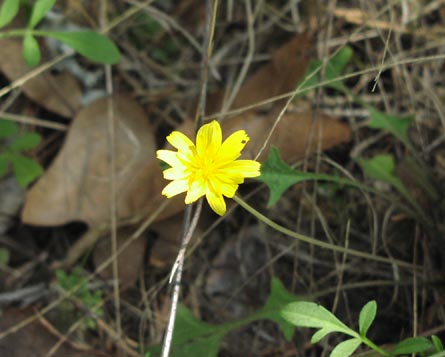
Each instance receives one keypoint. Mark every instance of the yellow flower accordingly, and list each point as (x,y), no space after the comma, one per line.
(210,168)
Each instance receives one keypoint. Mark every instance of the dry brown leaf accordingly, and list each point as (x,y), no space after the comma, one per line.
(130,261)
(58,93)
(77,185)
(279,76)
(34,339)
(296,135)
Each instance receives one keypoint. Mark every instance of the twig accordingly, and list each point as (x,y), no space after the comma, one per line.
(176,273)
(112,173)
(33,121)
(243,73)
(29,293)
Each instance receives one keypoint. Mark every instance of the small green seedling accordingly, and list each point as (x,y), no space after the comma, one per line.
(91,300)
(90,44)
(312,315)
(12,147)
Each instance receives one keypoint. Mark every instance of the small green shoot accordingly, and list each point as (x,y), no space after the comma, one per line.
(25,169)
(92,45)
(39,10)
(382,168)
(5,255)
(312,315)
(8,11)
(396,125)
(92,300)
(334,67)
(366,317)
(31,50)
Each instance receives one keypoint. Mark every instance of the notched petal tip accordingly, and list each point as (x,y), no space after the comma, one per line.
(232,147)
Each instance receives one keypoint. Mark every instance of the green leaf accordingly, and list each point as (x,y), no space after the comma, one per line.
(26,170)
(334,68)
(94,46)
(279,297)
(31,50)
(4,163)
(41,7)
(437,343)
(346,348)
(309,314)
(439,354)
(366,317)
(196,338)
(279,176)
(8,10)
(8,128)
(398,126)
(193,337)
(412,345)
(25,142)
(381,167)
(4,256)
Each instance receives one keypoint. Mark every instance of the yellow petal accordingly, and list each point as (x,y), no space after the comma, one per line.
(168,156)
(224,185)
(208,139)
(246,168)
(175,187)
(231,147)
(216,202)
(175,173)
(180,141)
(228,189)
(196,191)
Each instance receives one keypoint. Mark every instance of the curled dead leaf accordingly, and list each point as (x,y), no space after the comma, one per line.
(58,93)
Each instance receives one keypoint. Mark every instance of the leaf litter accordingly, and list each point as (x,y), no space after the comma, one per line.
(79,174)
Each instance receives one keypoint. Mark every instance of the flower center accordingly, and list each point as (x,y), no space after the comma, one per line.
(204,169)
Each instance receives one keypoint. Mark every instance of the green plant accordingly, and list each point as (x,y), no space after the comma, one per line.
(5,254)
(89,44)
(11,153)
(195,338)
(309,314)
(380,167)
(91,300)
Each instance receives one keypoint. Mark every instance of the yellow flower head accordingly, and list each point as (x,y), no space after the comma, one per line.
(210,168)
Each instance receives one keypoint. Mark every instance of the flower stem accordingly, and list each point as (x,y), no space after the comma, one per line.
(317,242)
(372,345)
